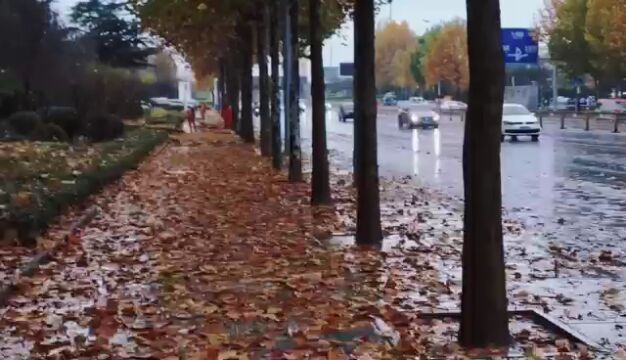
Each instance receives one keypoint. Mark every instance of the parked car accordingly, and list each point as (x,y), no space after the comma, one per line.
(420,117)
(517,120)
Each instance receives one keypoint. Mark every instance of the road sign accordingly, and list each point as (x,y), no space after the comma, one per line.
(346,69)
(519,46)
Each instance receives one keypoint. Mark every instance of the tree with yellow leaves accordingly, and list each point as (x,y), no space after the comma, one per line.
(605,31)
(447,60)
(395,43)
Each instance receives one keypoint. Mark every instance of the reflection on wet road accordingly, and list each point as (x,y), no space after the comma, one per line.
(571,183)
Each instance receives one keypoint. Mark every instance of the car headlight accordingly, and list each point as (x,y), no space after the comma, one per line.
(509,123)
(414,118)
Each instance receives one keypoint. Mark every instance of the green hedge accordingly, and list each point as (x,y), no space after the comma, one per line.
(46,202)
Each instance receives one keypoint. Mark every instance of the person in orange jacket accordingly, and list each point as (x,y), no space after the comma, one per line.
(203,109)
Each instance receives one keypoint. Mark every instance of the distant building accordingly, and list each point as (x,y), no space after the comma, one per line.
(305,79)
(331,74)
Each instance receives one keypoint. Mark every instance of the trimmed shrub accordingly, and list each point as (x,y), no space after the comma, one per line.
(49,201)
(49,132)
(65,117)
(104,127)
(159,115)
(24,122)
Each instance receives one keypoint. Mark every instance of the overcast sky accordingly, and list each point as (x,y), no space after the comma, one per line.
(420,14)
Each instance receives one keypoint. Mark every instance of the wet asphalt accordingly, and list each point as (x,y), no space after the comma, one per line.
(568,190)
(571,182)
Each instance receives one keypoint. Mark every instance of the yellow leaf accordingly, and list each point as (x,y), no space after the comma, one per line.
(231,355)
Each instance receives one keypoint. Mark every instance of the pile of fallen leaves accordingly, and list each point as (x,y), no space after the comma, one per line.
(205,252)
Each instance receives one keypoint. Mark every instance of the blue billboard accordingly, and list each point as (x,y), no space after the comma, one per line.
(519,46)
(346,69)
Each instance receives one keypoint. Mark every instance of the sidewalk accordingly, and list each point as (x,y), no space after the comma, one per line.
(202,253)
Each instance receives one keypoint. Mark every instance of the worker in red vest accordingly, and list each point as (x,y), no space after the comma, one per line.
(191,119)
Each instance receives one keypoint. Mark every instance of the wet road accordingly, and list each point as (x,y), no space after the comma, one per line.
(571,182)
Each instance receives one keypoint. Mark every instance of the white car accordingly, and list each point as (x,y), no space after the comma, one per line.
(517,120)
(451,105)
(417,100)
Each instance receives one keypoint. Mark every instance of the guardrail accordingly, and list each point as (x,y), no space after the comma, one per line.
(601,120)
(589,120)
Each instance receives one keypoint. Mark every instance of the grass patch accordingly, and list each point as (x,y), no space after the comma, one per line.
(165,118)
(40,179)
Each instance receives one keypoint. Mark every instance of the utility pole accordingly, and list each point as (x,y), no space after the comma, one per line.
(555,89)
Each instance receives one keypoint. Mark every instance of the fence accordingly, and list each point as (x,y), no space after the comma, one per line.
(587,121)
(592,120)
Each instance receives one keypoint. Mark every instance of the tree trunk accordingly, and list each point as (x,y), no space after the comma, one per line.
(247,130)
(368,229)
(286,28)
(320,187)
(221,87)
(295,155)
(484,320)
(356,139)
(274,53)
(264,105)
(234,87)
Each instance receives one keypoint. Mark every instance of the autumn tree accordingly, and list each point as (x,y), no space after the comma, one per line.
(447,59)
(605,32)
(586,37)
(484,317)
(395,44)
(418,58)
(566,37)
(117,38)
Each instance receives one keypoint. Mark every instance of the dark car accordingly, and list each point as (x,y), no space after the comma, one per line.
(389,99)
(346,111)
(418,117)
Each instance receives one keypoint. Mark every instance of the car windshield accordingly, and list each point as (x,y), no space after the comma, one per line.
(515,110)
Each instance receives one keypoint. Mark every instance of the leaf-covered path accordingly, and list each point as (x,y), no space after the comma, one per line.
(204,252)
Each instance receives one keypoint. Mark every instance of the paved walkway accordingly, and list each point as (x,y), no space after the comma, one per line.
(203,252)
